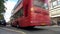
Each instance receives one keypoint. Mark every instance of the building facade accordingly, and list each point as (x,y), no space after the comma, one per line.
(54,9)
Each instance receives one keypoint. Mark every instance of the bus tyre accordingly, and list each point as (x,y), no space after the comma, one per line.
(17,25)
(12,25)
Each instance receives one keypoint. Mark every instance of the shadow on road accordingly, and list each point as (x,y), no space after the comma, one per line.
(34,29)
(25,29)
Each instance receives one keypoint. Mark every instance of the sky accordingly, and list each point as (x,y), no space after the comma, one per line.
(9,5)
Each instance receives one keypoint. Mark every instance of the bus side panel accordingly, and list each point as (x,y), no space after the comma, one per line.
(40,17)
(24,22)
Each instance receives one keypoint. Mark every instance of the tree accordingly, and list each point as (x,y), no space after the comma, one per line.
(2,8)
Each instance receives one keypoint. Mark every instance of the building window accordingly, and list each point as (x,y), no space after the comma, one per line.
(58,2)
(54,3)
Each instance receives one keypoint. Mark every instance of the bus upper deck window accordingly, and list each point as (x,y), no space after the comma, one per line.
(26,10)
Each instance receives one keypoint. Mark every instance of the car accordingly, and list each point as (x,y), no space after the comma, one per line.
(3,22)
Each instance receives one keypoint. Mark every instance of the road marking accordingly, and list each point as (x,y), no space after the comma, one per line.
(13,30)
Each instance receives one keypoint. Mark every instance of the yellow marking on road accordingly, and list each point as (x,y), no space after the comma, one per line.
(13,30)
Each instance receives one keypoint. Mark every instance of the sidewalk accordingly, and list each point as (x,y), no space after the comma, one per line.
(47,26)
(55,26)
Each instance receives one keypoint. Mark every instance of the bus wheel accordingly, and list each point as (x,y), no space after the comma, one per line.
(17,25)
(12,25)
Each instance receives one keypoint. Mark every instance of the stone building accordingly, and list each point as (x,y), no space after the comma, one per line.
(54,9)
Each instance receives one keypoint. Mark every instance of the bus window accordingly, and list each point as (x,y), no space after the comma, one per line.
(40,3)
(19,13)
(26,10)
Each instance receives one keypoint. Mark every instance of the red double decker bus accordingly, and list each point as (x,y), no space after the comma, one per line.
(30,13)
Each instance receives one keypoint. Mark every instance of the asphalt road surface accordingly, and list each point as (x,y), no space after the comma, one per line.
(36,30)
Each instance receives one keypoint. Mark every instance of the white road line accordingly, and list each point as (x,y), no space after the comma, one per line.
(13,30)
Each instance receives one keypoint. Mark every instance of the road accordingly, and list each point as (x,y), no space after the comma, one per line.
(2,31)
(36,30)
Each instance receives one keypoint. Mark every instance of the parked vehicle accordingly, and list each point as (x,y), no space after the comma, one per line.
(3,22)
(30,13)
